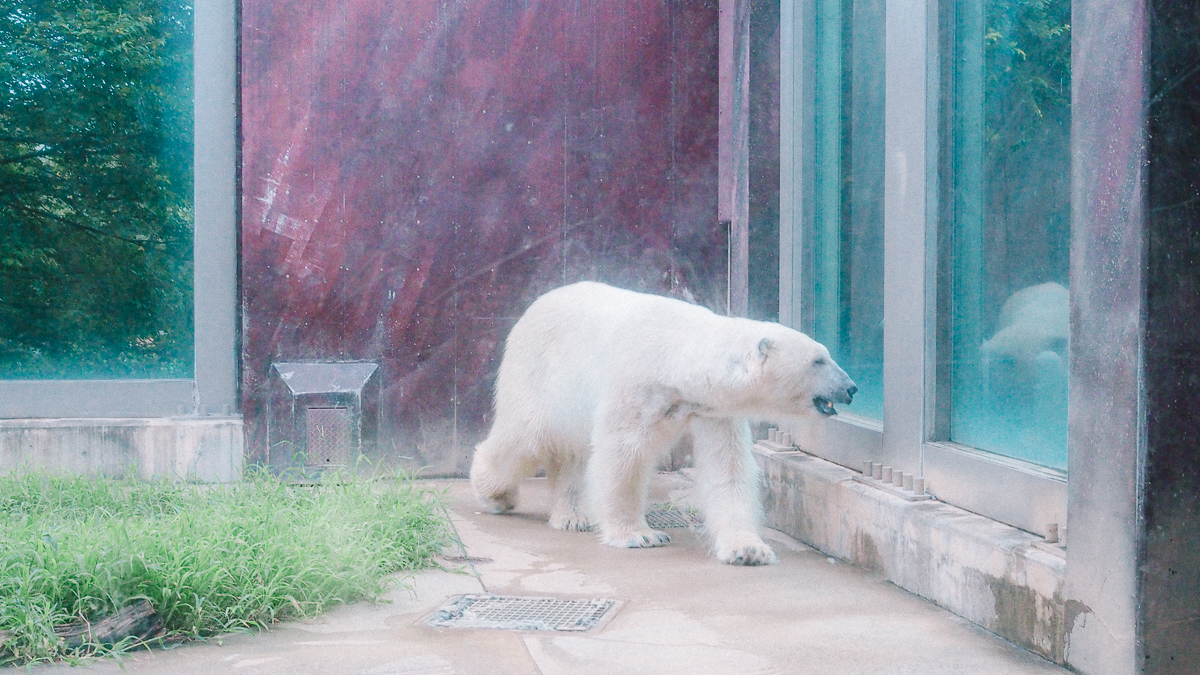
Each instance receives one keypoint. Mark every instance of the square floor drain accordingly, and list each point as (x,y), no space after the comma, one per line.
(661,517)
(508,612)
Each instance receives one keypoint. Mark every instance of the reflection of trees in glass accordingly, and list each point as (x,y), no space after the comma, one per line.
(1028,46)
(1027,144)
(95,188)
(1012,228)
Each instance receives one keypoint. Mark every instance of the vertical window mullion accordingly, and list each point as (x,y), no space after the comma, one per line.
(908,119)
(216,249)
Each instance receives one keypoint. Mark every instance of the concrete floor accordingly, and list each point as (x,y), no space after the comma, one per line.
(681,612)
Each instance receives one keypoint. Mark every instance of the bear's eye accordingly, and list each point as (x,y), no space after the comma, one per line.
(820,362)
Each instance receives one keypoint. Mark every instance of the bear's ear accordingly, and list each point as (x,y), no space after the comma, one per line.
(765,346)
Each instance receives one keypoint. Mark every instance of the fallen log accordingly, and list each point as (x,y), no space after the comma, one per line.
(136,620)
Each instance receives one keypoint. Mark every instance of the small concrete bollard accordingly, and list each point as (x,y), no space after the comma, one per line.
(785,439)
(894,481)
(773,435)
(1052,533)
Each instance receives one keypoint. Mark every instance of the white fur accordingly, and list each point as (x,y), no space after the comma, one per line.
(1028,353)
(598,383)
(1035,319)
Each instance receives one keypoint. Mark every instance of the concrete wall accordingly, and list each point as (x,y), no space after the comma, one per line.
(204,449)
(1001,578)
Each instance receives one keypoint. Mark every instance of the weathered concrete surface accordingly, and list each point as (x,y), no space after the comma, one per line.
(997,576)
(682,612)
(207,449)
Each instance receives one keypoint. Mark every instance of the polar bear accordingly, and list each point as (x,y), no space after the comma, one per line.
(1027,355)
(1033,320)
(598,383)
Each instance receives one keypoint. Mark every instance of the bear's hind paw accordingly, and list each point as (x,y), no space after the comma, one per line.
(638,539)
(498,504)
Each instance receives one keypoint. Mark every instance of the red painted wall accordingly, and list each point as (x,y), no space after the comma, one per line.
(415,173)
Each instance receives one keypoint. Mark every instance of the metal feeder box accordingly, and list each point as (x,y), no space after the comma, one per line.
(322,415)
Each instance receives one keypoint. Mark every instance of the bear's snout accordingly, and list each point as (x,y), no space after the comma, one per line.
(843,389)
(841,392)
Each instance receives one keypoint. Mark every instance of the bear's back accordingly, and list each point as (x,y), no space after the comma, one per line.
(590,318)
(577,340)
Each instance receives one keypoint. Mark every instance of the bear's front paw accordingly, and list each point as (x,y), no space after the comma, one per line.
(571,522)
(745,549)
(637,539)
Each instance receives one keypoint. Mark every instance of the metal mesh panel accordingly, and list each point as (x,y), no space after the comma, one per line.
(328,436)
(661,516)
(517,613)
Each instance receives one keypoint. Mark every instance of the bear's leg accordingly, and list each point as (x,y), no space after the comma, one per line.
(728,484)
(618,477)
(566,475)
(496,472)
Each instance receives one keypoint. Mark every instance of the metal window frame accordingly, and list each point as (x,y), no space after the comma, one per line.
(213,386)
(912,432)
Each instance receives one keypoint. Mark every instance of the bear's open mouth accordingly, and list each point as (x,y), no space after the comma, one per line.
(824,406)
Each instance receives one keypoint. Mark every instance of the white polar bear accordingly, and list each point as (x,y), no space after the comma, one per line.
(598,383)
(1027,356)
(1032,321)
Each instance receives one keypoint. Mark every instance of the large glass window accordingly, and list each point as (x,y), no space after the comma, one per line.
(949,139)
(1007,231)
(96,196)
(847,234)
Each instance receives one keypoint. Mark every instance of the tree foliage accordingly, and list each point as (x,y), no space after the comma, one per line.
(1027,133)
(1028,45)
(95,188)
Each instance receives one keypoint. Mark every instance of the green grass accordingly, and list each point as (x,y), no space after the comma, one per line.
(210,559)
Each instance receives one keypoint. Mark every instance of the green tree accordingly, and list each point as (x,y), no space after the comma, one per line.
(95,188)
(1028,46)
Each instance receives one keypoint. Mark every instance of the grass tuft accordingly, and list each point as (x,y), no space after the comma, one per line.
(210,559)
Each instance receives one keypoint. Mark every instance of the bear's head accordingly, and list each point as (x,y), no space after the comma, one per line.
(791,375)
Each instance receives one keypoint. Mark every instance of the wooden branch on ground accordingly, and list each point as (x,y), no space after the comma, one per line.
(136,620)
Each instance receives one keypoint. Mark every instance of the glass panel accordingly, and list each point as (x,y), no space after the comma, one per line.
(848,193)
(1010,228)
(96,189)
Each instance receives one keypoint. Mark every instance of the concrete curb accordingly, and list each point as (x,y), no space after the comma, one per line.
(204,449)
(1001,578)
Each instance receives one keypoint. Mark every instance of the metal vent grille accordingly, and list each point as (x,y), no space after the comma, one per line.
(517,613)
(328,436)
(661,516)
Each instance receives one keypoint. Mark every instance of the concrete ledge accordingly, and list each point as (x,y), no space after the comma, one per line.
(1001,578)
(204,449)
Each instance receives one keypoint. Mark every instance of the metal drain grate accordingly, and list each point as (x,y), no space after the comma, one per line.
(516,613)
(465,560)
(661,516)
